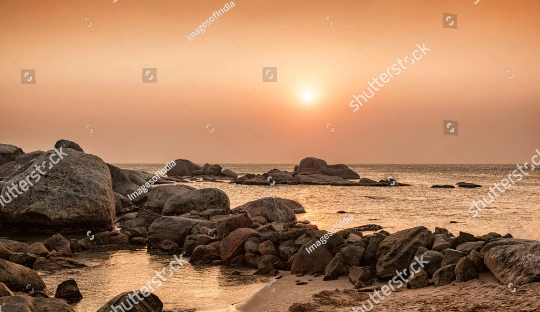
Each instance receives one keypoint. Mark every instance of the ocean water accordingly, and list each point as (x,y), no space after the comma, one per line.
(209,288)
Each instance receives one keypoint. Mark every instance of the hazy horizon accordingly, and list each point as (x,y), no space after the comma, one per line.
(210,103)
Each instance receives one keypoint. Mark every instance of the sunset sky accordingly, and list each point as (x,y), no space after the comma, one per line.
(484,74)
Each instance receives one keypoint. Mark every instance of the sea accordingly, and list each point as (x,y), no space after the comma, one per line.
(214,288)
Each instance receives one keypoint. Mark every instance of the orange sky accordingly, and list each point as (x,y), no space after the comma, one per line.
(93,76)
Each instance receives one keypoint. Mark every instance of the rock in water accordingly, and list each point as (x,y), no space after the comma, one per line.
(514,261)
(18,277)
(69,291)
(125,302)
(183,168)
(74,195)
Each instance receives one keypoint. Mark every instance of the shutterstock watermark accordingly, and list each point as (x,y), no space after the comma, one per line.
(144,188)
(507,184)
(145,290)
(387,75)
(33,176)
(398,279)
(336,228)
(202,28)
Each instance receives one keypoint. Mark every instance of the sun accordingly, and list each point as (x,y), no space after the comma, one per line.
(308,96)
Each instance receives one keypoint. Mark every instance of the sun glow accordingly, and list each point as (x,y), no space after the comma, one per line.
(308,96)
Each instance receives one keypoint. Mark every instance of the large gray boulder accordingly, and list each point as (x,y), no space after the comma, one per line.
(397,251)
(514,261)
(128,302)
(34,304)
(183,168)
(272,209)
(18,277)
(210,200)
(172,228)
(76,193)
(9,153)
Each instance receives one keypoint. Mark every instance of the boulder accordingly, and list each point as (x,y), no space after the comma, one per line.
(122,204)
(514,261)
(112,238)
(312,261)
(38,249)
(17,277)
(172,228)
(9,153)
(128,302)
(158,196)
(252,245)
(205,254)
(287,249)
(478,261)
(267,248)
(168,247)
(229,224)
(434,259)
(360,275)
(192,241)
(135,232)
(31,304)
(233,245)
(397,251)
(213,170)
(68,144)
(14,245)
(452,257)
(25,259)
(183,168)
(75,194)
(418,280)
(294,205)
(229,174)
(5,252)
(272,209)
(319,166)
(74,245)
(144,219)
(470,246)
(198,200)
(57,263)
(440,243)
(370,255)
(352,255)
(465,270)
(9,169)
(57,243)
(465,237)
(126,183)
(337,267)
(445,275)
(69,291)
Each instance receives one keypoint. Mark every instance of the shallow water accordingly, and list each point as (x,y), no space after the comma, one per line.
(209,288)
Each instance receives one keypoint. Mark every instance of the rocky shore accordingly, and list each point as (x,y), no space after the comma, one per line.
(81,193)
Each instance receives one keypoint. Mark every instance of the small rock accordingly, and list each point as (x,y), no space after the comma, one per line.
(418,280)
(69,291)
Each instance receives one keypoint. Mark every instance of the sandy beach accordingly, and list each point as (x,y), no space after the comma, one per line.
(484,294)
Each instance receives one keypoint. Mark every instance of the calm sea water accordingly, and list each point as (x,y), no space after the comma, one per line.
(209,288)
